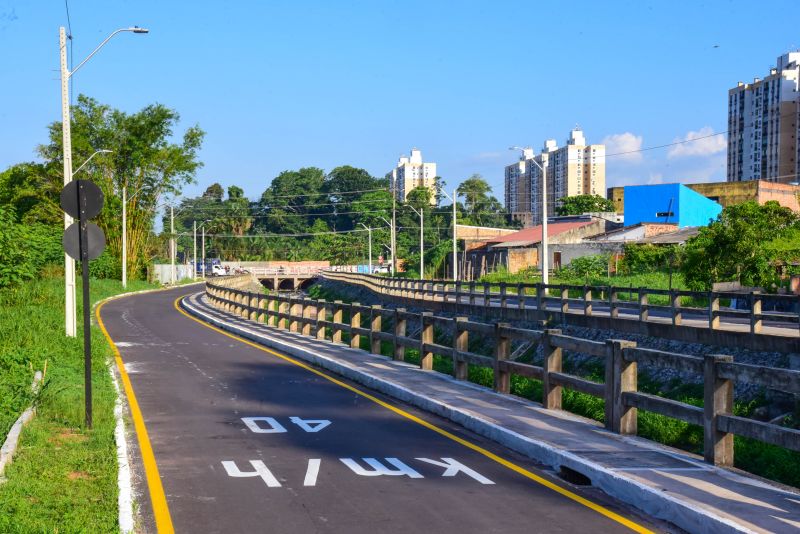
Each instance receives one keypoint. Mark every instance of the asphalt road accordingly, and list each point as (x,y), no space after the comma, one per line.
(247,442)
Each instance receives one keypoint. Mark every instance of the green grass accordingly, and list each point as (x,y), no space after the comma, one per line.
(64,476)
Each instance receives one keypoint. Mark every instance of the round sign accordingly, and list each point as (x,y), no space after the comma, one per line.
(81,196)
(95,237)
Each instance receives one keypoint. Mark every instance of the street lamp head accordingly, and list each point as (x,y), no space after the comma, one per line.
(137,29)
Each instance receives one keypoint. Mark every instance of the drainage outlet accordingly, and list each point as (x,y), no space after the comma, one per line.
(574,477)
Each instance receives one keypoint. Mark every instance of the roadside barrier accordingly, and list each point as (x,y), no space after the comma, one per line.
(346,323)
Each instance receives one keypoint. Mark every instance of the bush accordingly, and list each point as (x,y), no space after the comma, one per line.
(25,249)
(586,267)
(106,266)
(648,258)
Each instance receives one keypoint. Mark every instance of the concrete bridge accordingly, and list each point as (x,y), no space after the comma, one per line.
(281,275)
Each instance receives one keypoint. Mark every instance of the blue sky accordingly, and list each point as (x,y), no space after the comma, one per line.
(283,84)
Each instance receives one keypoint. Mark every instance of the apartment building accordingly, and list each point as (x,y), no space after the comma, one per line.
(574,169)
(764,125)
(410,173)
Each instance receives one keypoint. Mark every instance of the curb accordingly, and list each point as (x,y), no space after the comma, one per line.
(12,439)
(645,498)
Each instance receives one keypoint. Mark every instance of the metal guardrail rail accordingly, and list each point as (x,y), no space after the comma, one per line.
(344,323)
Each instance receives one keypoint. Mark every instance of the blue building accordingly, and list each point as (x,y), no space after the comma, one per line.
(668,203)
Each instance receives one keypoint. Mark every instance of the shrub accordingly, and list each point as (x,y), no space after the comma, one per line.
(25,249)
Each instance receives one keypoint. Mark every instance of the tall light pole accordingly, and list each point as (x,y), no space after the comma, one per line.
(194,250)
(455,243)
(391,229)
(544,260)
(172,243)
(421,213)
(369,233)
(70,324)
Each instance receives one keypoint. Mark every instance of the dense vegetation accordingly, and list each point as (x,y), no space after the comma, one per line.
(578,204)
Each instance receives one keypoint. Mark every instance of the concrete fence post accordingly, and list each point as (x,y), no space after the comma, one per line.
(502,350)
(675,303)
(503,296)
(309,314)
(520,296)
(355,322)
(540,302)
(624,377)
(644,311)
(564,303)
(272,308)
(717,400)
(425,336)
(460,344)
(587,300)
(472,292)
(755,312)
(322,316)
(487,300)
(399,351)
(375,329)
(551,393)
(336,329)
(713,310)
(613,302)
(296,314)
(254,306)
(283,308)
(262,316)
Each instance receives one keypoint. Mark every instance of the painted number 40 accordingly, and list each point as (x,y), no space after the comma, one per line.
(269,425)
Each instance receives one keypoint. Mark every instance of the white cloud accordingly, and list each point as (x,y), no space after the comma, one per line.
(623,147)
(706,144)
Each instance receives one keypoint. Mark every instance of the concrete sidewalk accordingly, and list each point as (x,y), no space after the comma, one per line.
(665,483)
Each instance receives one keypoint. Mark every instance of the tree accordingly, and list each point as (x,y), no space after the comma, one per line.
(480,207)
(745,244)
(144,158)
(578,204)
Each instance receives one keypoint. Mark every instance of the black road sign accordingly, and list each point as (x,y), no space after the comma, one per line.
(84,241)
(82,195)
(95,237)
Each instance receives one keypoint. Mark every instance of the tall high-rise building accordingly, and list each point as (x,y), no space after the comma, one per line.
(411,173)
(574,169)
(764,125)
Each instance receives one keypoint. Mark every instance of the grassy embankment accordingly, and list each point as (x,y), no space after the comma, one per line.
(64,476)
(775,463)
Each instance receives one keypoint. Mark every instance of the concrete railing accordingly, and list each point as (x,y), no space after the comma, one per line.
(616,308)
(345,323)
(283,271)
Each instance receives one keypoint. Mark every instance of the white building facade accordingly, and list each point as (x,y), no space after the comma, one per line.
(574,169)
(764,125)
(410,173)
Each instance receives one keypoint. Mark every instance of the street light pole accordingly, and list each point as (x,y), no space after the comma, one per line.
(421,213)
(70,324)
(125,235)
(544,259)
(455,238)
(172,243)
(391,229)
(203,252)
(194,250)
(369,233)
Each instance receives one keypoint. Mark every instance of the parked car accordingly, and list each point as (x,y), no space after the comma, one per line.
(218,270)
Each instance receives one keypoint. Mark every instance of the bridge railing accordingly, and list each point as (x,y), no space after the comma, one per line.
(387,330)
(780,310)
(283,271)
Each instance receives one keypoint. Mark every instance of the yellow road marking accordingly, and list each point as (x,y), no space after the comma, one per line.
(157,496)
(477,448)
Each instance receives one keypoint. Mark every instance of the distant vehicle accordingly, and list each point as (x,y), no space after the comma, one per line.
(218,270)
(381,269)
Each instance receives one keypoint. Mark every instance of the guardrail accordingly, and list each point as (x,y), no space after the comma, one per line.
(344,323)
(538,296)
(283,271)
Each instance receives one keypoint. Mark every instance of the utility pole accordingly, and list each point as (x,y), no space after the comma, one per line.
(203,252)
(66,141)
(394,237)
(124,236)
(194,250)
(172,243)
(369,233)
(545,268)
(421,240)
